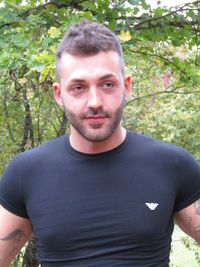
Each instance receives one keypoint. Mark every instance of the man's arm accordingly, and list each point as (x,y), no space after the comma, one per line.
(188,220)
(14,233)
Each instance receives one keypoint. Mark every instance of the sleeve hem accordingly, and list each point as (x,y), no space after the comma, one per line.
(13,209)
(187,203)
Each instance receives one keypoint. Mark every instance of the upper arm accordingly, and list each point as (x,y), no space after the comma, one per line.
(14,232)
(188,220)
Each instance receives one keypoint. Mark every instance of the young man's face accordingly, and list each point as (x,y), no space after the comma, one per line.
(92,90)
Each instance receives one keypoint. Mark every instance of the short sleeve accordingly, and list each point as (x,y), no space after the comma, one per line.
(188,180)
(11,195)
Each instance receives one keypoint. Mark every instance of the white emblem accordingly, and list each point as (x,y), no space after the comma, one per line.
(152,206)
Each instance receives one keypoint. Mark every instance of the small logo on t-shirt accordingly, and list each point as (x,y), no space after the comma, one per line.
(152,206)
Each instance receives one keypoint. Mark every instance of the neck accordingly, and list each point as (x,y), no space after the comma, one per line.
(83,145)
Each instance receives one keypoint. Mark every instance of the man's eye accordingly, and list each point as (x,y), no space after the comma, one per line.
(108,85)
(77,88)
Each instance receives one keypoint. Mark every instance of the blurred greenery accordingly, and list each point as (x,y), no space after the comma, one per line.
(184,255)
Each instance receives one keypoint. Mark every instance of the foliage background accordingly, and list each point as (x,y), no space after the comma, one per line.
(161,49)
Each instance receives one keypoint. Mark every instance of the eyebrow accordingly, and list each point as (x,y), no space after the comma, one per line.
(106,76)
(76,80)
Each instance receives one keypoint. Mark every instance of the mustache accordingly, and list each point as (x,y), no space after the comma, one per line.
(95,112)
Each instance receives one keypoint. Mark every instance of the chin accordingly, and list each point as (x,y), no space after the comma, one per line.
(99,136)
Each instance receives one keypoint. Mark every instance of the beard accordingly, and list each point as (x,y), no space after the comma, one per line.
(96,132)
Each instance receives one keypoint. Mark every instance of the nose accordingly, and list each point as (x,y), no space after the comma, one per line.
(94,99)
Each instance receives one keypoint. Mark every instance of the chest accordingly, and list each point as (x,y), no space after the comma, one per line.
(89,205)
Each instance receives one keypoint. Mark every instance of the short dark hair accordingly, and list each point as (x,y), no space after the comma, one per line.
(89,38)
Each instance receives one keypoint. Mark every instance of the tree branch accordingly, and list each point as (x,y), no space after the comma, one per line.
(165,59)
(173,91)
(62,128)
(7,117)
(25,14)
(181,9)
(28,125)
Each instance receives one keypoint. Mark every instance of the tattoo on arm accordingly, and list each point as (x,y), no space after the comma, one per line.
(194,228)
(197,207)
(197,211)
(17,236)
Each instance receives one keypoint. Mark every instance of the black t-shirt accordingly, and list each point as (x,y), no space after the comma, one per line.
(109,209)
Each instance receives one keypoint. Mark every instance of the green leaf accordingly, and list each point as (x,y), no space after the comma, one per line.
(8,16)
(158,12)
(54,32)
(45,43)
(134,2)
(136,10)
(144,5)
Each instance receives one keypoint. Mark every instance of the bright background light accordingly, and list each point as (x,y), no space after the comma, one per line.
(168,3)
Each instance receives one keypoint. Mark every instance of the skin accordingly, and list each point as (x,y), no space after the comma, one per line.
(188,220)
(14,233)
(92,90)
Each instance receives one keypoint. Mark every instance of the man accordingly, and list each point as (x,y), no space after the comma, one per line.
(101,196)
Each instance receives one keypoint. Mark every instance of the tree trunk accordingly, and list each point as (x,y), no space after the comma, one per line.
(30,257)
(63,123)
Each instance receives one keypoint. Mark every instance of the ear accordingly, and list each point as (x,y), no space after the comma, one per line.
(57,94)
(127,86)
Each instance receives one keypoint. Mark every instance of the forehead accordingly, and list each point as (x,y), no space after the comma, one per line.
(73,66)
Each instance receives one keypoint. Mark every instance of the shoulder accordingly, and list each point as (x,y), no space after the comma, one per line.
(53,146)
(176,164)
(154,150)
(39,155)
(149,144)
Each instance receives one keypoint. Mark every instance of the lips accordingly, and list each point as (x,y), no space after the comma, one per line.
(96,118)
